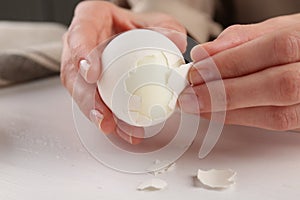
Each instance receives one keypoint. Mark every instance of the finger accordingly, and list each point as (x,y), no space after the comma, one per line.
(93,23)
(134,131)
(178,38)
(271,118)
(131,134)
(127,137)
(87,98)
(238,34)
(278,86)
(86,32)
(83,38)
(165,24)
(85,95)
(274,49)
(108,123)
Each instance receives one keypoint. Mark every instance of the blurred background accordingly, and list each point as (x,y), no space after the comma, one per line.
(37,46)
(38,10)
(228,11)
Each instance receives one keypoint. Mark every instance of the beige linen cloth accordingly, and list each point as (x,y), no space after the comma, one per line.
(29,50)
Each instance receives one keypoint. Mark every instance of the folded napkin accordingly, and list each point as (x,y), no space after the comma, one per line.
(29,50)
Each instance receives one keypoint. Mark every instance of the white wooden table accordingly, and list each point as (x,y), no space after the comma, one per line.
(41,157)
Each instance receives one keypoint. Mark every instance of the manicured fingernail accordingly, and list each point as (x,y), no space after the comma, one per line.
(96,117)
(198,53)
(124,136)
(84,68)
(136,132)
(189,103)
(203,71)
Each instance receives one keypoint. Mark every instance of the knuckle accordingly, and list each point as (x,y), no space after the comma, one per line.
(289,87)
(287,47)
(64,38)
(66,71)
(63,74)
(63,78)
(228,97)
(77,49)
(83,5)
(274,20)
(236,34)
(234,28)
(284,119)
(80,6)
(92,8)
(230,65)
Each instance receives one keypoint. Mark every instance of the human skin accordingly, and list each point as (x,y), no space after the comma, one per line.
(258,63)
(94,22)
(260,68)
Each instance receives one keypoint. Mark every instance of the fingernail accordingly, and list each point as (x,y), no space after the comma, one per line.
(96,117)
(84,68)
(189,103)
(199,53)
(124,136)
(202,72)
(136,132)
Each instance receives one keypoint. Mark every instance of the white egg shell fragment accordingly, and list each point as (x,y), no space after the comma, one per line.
(160,167)
(217,179)
(152,185)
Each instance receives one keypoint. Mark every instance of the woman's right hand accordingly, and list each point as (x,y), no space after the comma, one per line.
(259,66)
(93,23)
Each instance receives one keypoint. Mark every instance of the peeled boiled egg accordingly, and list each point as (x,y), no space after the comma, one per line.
(143,74)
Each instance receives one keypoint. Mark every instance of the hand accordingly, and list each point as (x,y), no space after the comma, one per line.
(260,68)
(93,23)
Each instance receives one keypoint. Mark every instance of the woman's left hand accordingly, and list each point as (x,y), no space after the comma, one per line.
(260,68)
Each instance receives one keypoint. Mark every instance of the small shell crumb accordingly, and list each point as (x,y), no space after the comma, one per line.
(160,167)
